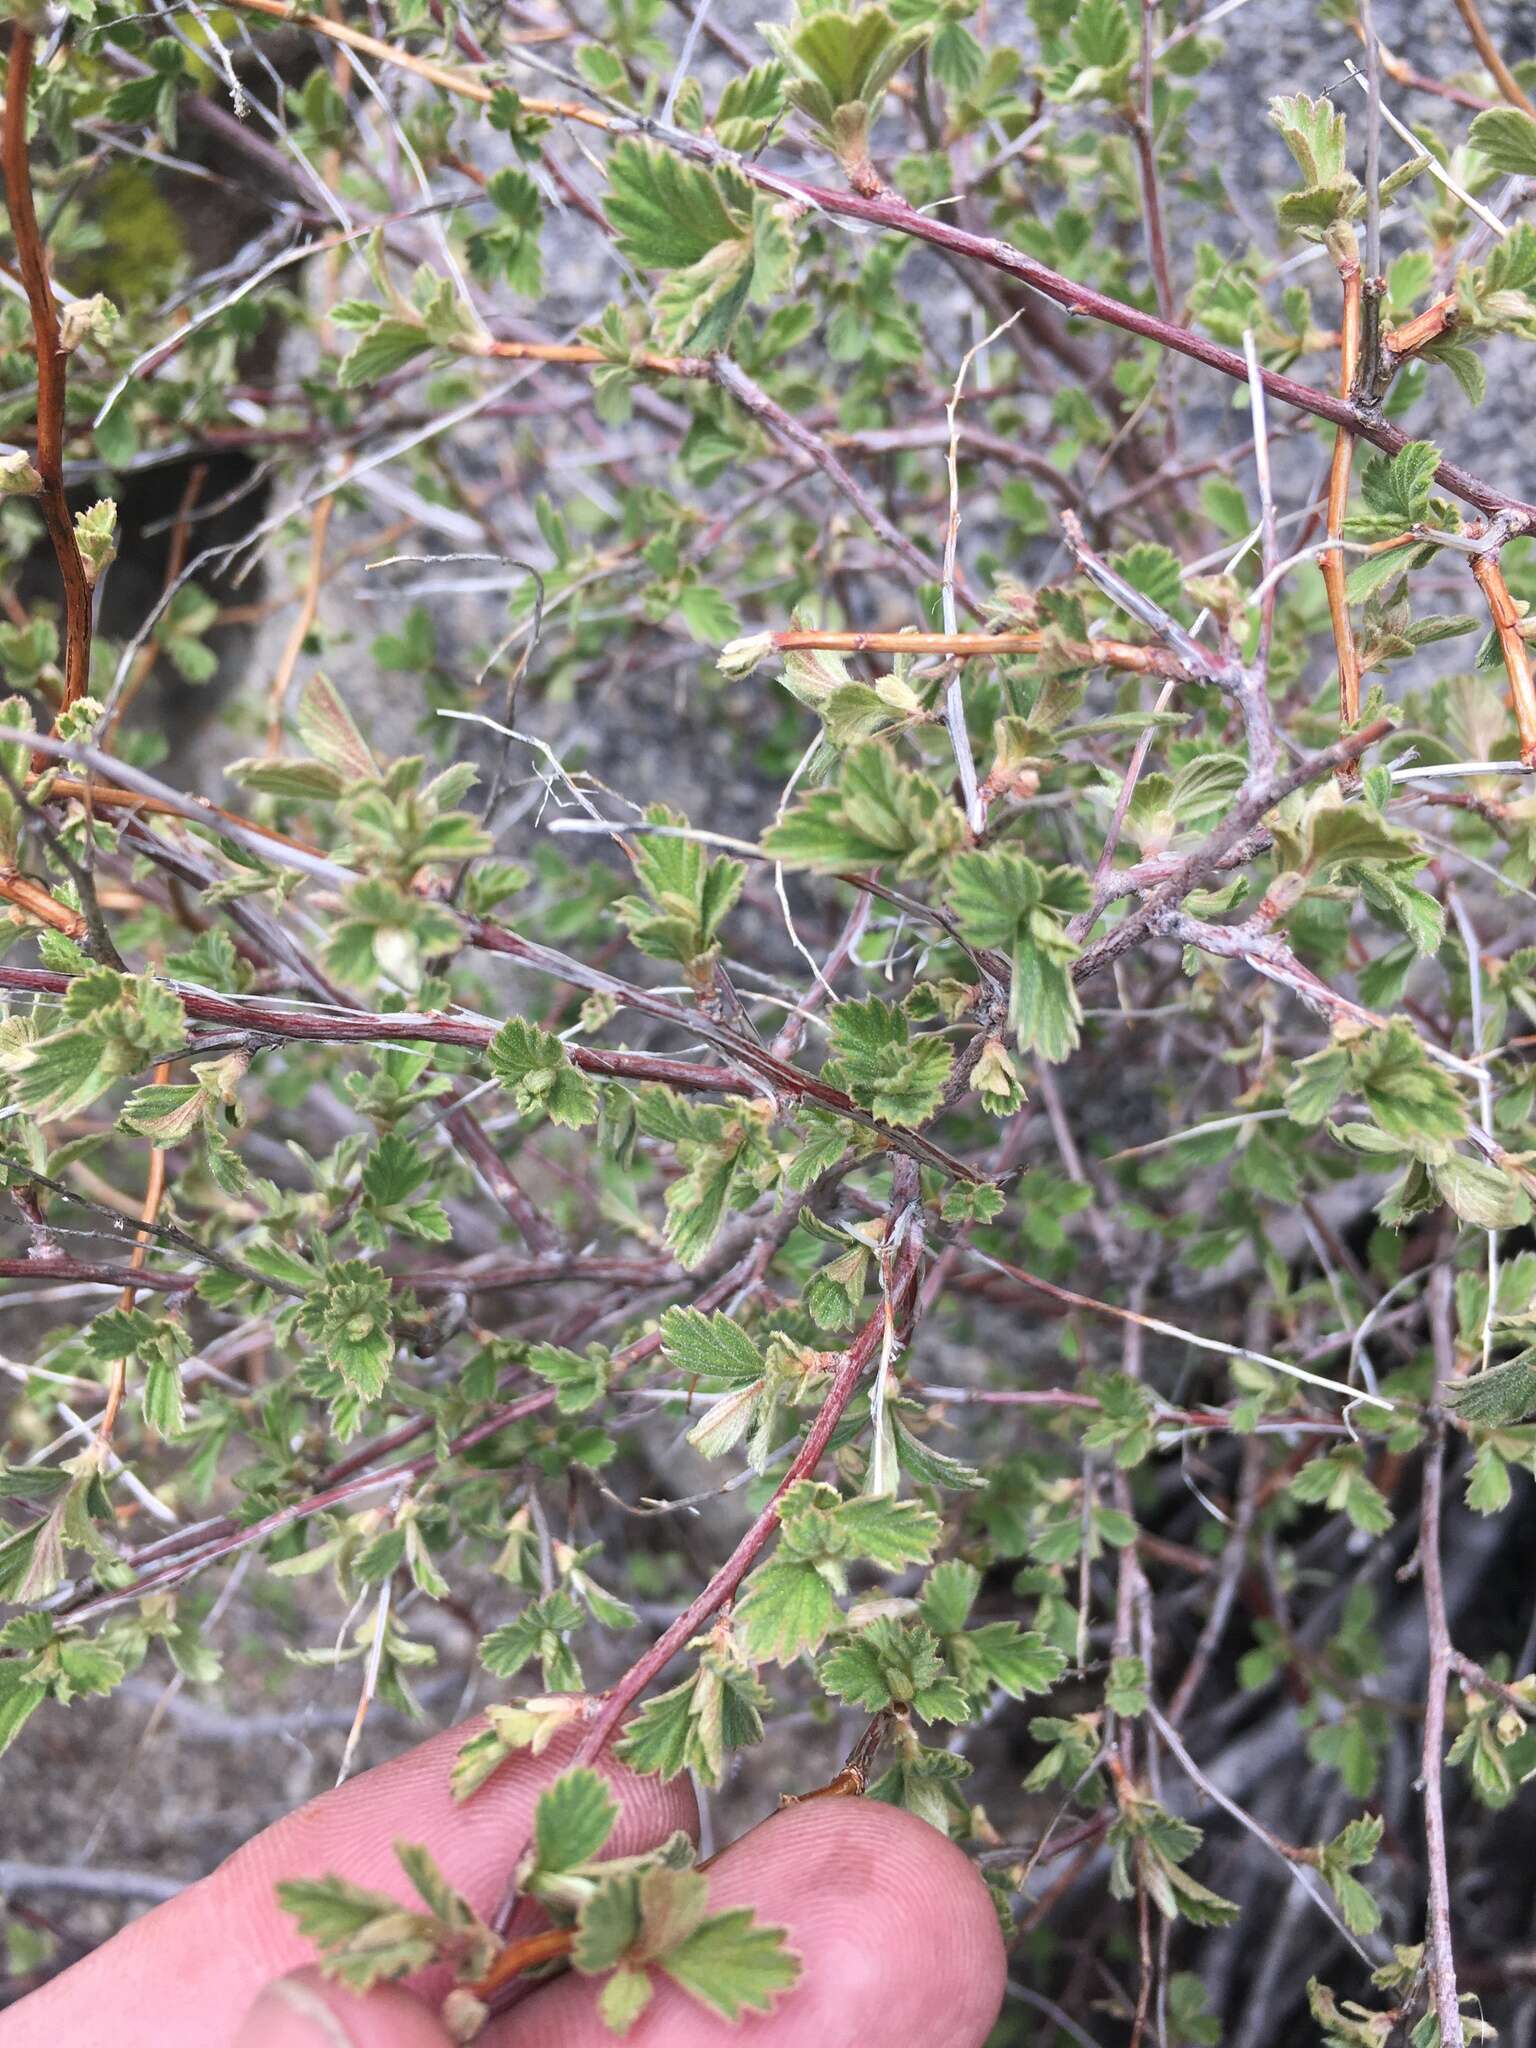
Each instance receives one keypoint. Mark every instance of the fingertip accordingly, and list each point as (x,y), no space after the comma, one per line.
(895,1932)
(890,1918)
(305,2010)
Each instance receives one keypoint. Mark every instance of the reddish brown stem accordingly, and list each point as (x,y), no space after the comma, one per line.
(188,1551)
(846,1376)
(889,210)
(538,1233)
(224,1538)
(1083,300)
(266,1019)
(722,1587)
(106,1276)
(784,1079)
(32,262)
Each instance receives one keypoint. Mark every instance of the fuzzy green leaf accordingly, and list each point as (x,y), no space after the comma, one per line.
(572,1821)
(1507,137)
(537,1069)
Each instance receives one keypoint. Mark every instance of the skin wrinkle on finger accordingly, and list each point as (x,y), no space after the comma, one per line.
(306,2011)
(898,1937)
(293,2014)
(183,1975)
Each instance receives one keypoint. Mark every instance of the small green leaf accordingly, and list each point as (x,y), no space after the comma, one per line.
(330,1909)
(898,1079)
(733,1964)
(579,1381)
(894,1664)
(1482,1195)
(697,1723)
(1507,137)
(537,1069)
(1397,487)
(787,1608)
(572,1821)
(1126,1692)
(1002,899)
(668,213)
(712,1347)
(1498,1398)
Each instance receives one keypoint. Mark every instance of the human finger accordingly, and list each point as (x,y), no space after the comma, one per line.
(183,1975)
(896,1934)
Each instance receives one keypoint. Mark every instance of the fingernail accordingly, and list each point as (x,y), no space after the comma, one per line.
(292,2014)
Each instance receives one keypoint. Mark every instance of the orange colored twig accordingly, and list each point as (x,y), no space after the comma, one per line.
(1488,50)
(423,67)
(1334,574)
(526,1954)
(104,798)
(298,633)
(1517,659)
(34,899)
(1124,654)
(1423,328)
(583,353)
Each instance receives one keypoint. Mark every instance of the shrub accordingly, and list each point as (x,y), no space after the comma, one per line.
(1063,1164)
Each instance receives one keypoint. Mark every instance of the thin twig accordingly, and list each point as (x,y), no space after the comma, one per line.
(52,359)
(846,1377)
(785,428)
(1146,152)
(154,1191)
(1095,653)
(1072,1299)
(954,700)
(1372,147)
(1489,572)
(1431,163)
(1485,1103)
(1296,1861)
(90,1882)
(1270,546)
(1234,1558)
(303,623)
(888,210)
(1195,867)
(1442,1961)
(1335,573)
(1488,50)
(685,56)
